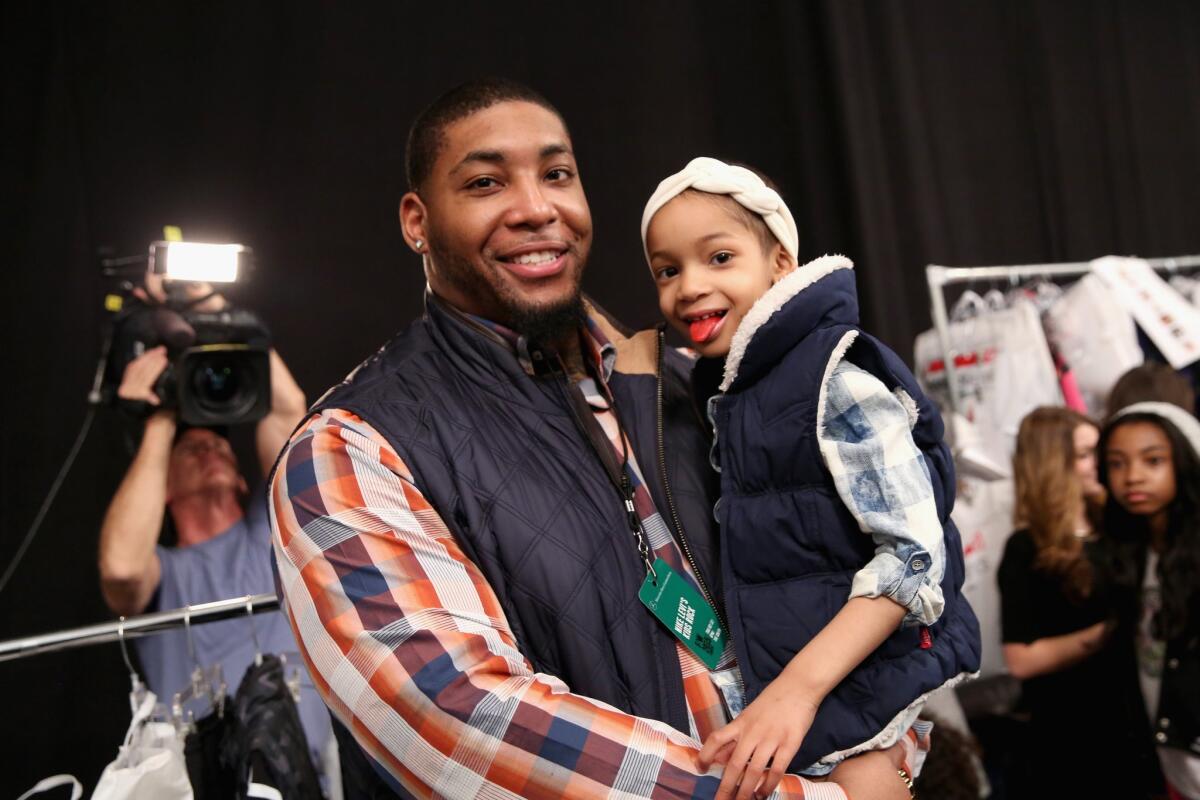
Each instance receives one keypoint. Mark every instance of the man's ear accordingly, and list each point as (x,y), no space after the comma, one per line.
(412,222)
(782,263)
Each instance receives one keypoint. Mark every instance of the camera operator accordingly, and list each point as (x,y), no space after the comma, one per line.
(224,538)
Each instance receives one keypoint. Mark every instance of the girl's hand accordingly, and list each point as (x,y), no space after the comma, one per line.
(757,747)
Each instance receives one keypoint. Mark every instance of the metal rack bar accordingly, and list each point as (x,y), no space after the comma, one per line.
(135,627)
(939,277)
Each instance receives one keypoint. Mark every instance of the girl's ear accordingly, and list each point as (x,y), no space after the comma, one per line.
(782,263)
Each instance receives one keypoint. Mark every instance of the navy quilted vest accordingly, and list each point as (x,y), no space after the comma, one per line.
(789,546)
(506,460)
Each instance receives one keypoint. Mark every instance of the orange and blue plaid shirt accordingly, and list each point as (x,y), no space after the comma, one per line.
(409,646)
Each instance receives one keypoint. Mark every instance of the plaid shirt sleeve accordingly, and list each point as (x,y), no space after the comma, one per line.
(408,645)
(881,476)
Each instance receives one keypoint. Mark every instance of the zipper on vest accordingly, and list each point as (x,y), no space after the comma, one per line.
(662,471)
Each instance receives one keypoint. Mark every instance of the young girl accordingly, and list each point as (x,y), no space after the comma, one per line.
(841,567)
(1055,621)
(1152,526)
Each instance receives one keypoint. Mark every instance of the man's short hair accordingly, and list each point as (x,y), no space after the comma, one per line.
(182,427)
(427,135)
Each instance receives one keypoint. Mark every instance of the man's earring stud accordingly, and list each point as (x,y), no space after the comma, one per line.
(419,244)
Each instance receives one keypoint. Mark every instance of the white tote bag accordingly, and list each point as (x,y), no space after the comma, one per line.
(150,764)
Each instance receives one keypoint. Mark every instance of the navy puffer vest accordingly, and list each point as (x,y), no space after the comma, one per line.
(512,464)
(789,546)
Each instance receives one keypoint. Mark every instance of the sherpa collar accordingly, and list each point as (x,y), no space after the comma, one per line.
(774,299)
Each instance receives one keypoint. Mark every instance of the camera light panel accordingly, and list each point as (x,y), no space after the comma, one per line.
(193,261)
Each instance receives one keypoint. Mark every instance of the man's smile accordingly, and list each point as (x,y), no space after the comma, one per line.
(535,260)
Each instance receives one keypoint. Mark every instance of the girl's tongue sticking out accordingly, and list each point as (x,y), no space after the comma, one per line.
(703,329)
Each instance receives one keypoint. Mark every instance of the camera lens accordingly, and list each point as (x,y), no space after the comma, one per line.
(220,384)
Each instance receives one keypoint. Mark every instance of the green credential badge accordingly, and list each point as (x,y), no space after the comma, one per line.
(684,611)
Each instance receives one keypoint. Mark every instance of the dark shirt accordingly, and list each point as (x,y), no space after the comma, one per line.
(1085,718)
(1034,605)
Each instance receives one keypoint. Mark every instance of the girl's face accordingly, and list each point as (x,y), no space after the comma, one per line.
(709,269)
(1086,438)
(1141,472)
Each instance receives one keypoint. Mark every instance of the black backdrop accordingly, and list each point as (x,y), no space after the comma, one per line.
(903,133)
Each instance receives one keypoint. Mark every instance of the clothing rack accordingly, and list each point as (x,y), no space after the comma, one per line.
(127,628)
(939,277)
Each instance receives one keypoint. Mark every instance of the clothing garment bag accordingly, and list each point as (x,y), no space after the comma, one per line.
(1003,365)
(150,763)
(1096,336)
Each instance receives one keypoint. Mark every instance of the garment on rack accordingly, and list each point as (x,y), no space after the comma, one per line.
(210,778)
(1004,371)
(150,763)
(1096,336)
(265,745)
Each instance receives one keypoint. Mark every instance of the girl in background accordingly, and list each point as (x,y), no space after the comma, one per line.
(1151,466)
(1054,617)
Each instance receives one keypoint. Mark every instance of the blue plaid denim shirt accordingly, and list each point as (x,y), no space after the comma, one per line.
(866,440)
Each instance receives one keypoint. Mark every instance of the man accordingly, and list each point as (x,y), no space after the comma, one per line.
(463,526)
(222,552)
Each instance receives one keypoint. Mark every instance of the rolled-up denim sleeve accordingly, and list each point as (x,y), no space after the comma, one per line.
(866,440)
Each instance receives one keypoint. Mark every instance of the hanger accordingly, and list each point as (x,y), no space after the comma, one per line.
(258,656)
(137,689)
(141,703)
(971,304)
(291,679)
(207,683)
(1042,292)
(995,300)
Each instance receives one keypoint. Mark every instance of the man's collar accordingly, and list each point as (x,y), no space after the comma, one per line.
(598,350)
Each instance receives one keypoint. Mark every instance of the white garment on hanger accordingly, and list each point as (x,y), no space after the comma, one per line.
(150,763)
(1004,371)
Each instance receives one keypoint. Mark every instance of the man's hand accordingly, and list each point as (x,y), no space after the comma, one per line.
(759,744)
(137,382)
(155,292)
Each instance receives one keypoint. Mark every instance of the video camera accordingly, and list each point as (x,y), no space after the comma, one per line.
(219,371)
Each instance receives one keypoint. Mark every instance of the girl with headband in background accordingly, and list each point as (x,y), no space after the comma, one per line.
(842,570)
(1151,466)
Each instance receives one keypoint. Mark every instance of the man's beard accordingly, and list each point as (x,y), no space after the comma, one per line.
(549,325)
(545,324)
